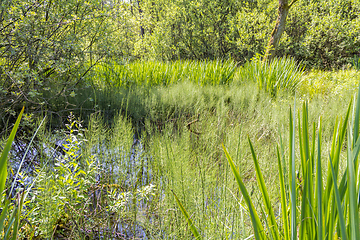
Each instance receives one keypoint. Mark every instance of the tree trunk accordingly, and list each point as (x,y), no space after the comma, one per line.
(142,30)
(279,28)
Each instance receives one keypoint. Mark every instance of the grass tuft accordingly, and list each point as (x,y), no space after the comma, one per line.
(278,75)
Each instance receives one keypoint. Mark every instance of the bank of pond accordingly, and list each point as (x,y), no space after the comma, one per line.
(191,151)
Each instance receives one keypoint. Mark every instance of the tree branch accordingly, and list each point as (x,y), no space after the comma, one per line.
(292,2)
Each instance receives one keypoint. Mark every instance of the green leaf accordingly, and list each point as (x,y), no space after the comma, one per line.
(258,228)
(338,204)
(192,227)
(319,191)
(3,215)
(260,179)
(5,153)
(283,197)
(292,174)
(354,214)
(357,116)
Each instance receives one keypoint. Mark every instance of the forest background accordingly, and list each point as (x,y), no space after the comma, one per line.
(48,48)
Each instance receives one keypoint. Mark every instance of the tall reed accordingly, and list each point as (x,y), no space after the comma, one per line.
(12,219)
(154,73)
(326,209)
(279,74)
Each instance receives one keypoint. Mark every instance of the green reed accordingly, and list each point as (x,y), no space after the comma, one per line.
(9,220)
(310,207)
(355,63)
(154,73)
(323,213)
(278,75)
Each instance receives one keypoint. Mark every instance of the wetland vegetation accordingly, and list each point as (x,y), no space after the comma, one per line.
(162,120)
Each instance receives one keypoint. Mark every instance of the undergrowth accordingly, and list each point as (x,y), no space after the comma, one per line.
(114,177)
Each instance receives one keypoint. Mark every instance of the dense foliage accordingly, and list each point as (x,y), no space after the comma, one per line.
(161,85)
(322,33)
(48,48)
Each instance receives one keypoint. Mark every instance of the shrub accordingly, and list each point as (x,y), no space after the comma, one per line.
(323,34)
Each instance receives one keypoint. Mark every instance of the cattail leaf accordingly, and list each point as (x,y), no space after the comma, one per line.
(192,227)
(5,153)
(283,198)
(338,204)
(269,210)
(258,228)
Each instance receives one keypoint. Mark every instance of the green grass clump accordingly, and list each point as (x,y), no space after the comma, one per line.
(154,73)
(324,207)
(280,74)
(340,83)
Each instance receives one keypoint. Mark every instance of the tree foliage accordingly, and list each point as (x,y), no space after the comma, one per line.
(46,49)
(324,34)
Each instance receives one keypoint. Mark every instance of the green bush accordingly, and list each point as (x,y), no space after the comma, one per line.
(323,34)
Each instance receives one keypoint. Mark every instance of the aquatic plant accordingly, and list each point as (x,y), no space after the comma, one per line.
(327,210)
(10,214)
(279,74)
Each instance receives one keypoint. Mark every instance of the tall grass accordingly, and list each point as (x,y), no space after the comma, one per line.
(153,73)
(326,209)
(192,162)
(280,74)
(134,86)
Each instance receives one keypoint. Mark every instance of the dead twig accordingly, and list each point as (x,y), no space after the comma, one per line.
(189,128)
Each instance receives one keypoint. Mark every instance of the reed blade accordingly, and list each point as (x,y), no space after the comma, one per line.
(4,215)
(192,227)
(269,210)
(354,214)
(283,197)
(356,120)
(338,203)
(5,153)
(25,154)
(319,191)
(292,174)
(258,228)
